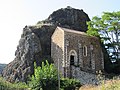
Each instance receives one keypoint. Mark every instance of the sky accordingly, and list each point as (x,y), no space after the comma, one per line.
(16,14)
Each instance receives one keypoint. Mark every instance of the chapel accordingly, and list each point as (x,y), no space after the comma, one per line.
(76,54)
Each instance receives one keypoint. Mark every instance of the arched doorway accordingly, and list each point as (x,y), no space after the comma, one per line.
(73,62)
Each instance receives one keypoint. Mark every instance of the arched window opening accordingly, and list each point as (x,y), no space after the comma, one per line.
(73,57)
(84,50)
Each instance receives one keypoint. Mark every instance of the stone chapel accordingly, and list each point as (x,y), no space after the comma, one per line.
(76,54)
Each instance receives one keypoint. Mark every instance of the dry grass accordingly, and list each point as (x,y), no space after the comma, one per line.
(89,87)
(107,85)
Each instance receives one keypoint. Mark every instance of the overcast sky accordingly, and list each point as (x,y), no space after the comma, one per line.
(15,14)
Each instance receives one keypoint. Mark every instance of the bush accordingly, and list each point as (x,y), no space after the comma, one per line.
(44,77)
(4,85)
(69,84)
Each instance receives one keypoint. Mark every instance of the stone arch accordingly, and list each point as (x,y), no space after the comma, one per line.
(73,60)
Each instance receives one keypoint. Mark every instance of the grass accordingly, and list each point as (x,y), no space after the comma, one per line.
(5,85)
(113,84)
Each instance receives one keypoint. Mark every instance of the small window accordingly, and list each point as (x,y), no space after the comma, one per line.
(84,50)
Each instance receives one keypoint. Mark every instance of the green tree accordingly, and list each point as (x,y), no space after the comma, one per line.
(107,28)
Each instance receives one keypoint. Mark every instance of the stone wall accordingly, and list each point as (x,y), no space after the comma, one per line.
(93,60)
(57,49)
(84,77)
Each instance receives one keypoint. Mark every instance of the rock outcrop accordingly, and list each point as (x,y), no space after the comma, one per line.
(69,18)
(35,42)
(22,65)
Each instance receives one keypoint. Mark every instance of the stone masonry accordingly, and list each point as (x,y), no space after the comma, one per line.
(76,54)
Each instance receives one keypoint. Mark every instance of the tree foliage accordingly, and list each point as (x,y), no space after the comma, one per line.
(107,27)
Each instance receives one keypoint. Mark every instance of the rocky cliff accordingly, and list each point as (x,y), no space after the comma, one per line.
(35,42)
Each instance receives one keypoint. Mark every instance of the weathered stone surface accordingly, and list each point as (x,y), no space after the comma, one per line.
(35,42)
(84,77)
(22,65)
(69,18)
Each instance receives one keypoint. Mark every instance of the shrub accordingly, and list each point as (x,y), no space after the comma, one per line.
(69,84)
(5,85)
(44,77)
